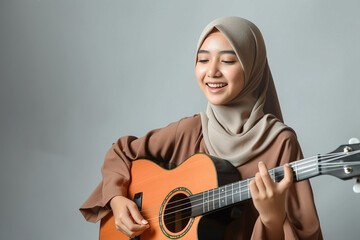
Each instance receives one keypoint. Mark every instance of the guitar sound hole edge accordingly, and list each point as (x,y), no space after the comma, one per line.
(175,213)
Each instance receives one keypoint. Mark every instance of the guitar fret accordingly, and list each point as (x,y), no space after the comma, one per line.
(229,194)
(248,187)
(205,201)
(216,198)
(222,197)
(211,200)
(244,191)
(236,192)
(311,170)
(232,192)
(272,174)
(239,190)
(208,205)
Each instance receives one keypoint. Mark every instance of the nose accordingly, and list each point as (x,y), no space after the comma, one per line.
(213,70)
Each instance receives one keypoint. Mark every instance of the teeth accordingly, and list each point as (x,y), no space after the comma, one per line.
(216,85)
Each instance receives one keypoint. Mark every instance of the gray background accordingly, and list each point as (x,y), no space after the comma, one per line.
(76,75)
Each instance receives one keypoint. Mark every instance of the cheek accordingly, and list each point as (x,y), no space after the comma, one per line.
(200,73)
(230,75)
(240,81)
(236,78)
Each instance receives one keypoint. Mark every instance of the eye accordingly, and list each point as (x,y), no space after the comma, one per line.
(228,62)
(203,61)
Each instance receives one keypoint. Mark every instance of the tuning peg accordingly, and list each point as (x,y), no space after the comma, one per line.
(354,140)
(356,187)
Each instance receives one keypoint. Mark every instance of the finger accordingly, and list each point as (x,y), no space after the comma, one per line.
(131,225)
(286,182)
(135,214)
(127,218)
(267,180)
(253,188)
(259,183)
(130,228)
(119,224)
(122,228)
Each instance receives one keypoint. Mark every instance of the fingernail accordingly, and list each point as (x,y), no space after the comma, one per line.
(144,221)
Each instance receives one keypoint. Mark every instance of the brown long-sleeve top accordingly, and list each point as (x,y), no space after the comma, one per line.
(177,142)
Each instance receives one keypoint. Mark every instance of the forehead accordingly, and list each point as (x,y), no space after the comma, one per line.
(214,41)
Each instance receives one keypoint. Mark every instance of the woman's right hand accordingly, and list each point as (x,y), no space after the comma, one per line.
(127,217)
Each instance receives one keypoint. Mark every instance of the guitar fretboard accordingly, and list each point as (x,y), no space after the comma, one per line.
(236,192)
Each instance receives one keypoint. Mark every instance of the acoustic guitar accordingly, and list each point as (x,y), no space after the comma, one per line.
(179,203)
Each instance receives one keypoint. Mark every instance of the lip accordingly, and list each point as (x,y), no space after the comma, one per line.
(216,87)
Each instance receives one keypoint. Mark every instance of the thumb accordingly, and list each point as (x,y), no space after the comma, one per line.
(138,218)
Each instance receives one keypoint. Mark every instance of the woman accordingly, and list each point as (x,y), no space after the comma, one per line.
(243,124)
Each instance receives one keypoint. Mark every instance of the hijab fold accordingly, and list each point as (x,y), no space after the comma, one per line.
(247,125)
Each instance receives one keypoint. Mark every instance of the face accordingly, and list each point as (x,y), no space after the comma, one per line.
(218,70)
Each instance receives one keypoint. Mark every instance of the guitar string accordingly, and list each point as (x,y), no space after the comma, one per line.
(217,196)
(188,209)
(298,163)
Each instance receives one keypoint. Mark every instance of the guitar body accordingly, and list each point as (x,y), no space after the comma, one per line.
(160,191)
(188,201)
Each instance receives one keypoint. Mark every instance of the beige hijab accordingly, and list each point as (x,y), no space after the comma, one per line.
(246,126)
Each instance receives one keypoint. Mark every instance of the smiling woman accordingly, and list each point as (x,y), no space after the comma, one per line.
(218,70)
(242,124)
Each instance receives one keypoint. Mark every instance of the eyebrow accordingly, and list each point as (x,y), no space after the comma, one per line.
(221,52)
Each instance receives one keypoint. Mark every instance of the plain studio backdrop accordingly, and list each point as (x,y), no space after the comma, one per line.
(76,75)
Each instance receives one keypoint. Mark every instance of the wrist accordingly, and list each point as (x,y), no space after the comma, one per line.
(273,227)
(113,202)
(276,217)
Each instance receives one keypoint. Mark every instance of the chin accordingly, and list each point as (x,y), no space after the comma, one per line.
(217,102)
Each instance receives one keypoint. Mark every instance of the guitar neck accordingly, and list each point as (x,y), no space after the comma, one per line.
(233,193)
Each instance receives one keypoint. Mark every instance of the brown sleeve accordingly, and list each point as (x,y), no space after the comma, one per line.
(302,221)
(164,145)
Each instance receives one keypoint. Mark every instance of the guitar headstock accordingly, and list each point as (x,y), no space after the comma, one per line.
(343,163)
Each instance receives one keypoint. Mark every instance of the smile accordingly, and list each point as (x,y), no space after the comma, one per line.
(216,85)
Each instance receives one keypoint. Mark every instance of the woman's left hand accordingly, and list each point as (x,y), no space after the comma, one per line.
(269,196)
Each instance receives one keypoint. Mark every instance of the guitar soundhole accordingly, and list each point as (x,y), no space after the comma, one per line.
(177,213)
